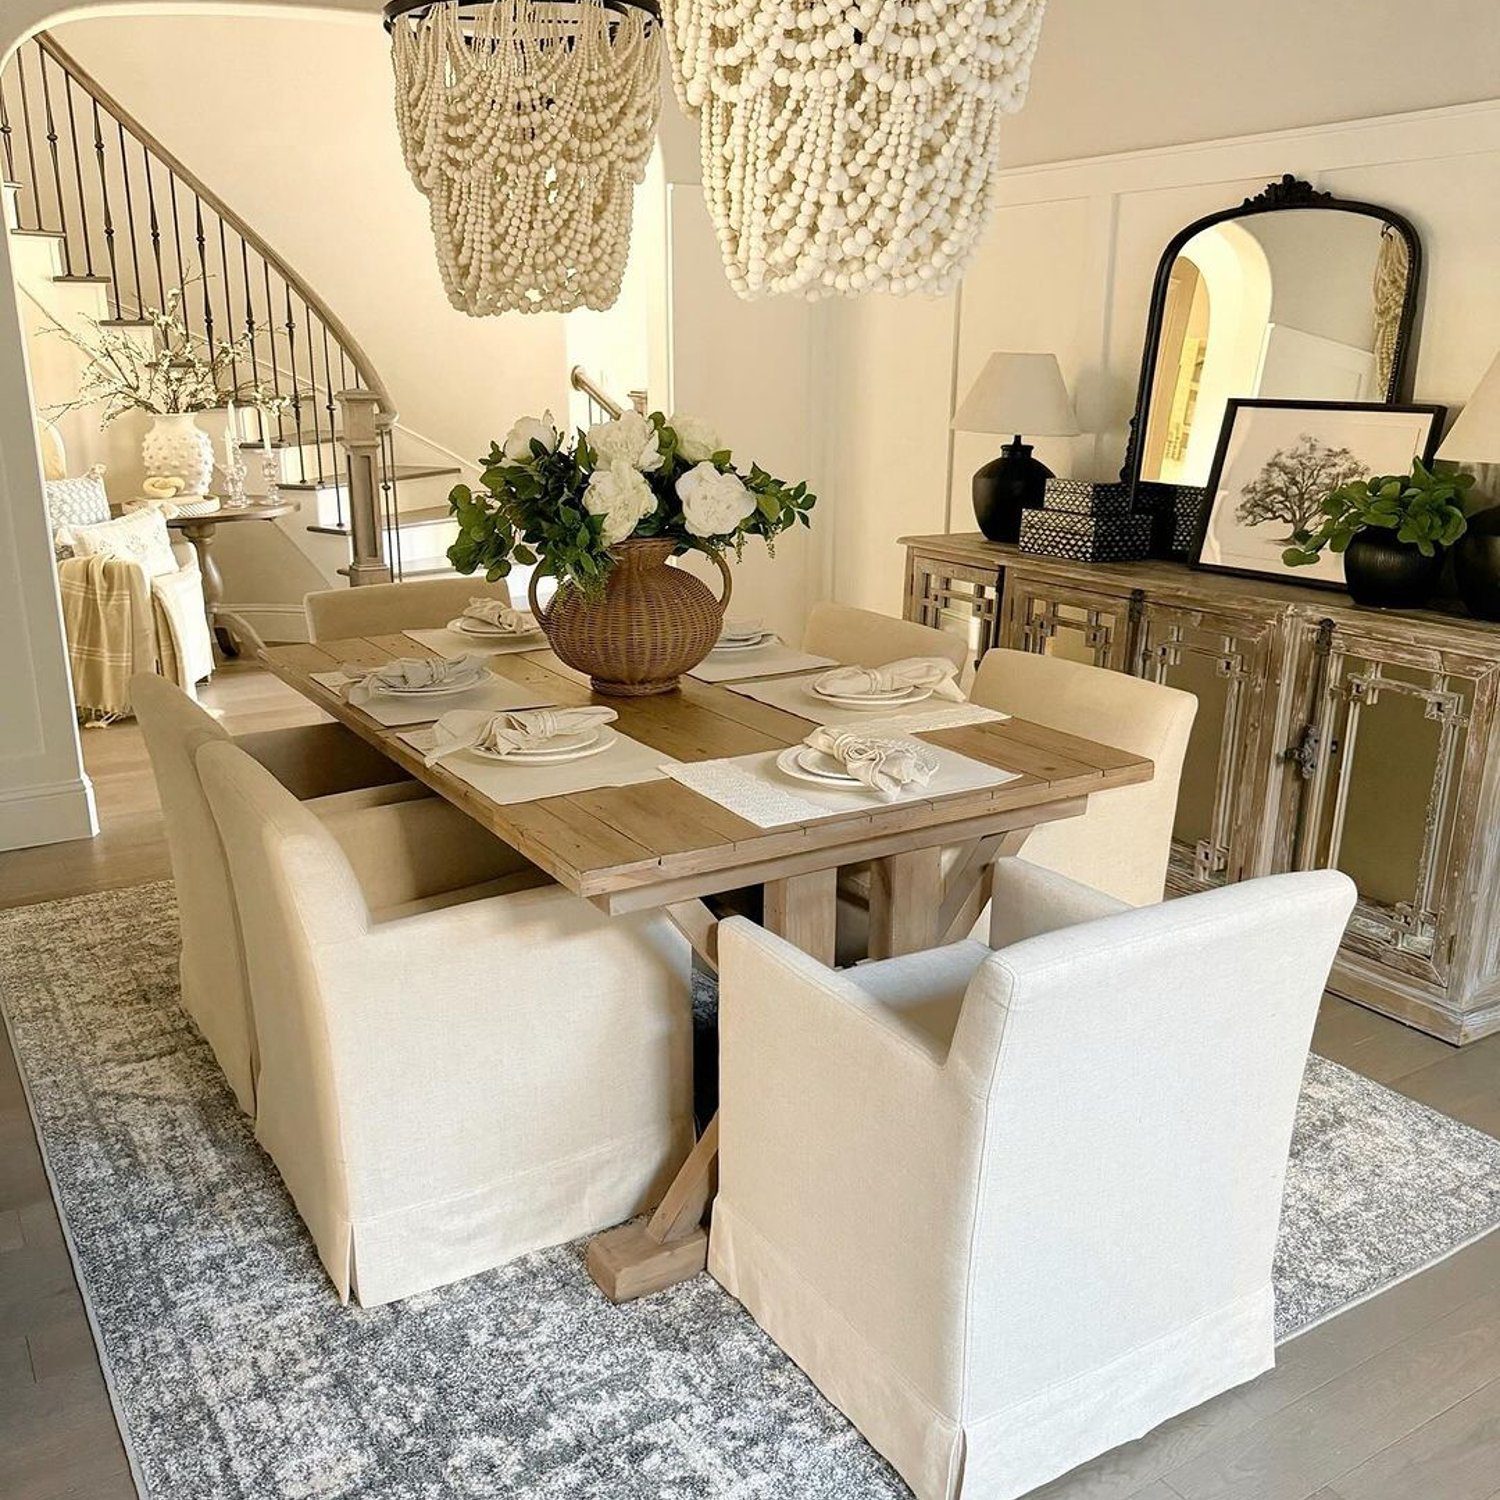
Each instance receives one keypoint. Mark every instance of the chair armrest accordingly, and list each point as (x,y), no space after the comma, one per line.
(187,558)
(1027,900)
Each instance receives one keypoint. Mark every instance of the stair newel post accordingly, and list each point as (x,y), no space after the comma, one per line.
(362,420)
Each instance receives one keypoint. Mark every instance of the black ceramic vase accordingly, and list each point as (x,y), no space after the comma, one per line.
(1476,564)
(1387,574)
(1005,487)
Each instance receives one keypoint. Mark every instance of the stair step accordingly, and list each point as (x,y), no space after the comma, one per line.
(402,473)
(40,234)
(125,322)
(427,515)
(85,280)
(421,471)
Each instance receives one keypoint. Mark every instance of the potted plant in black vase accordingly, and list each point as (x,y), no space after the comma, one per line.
(1392,530)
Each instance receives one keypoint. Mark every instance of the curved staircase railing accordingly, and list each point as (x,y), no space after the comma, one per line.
(129,214)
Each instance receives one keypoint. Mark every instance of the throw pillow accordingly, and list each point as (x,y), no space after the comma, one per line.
(140,537)
(76,502)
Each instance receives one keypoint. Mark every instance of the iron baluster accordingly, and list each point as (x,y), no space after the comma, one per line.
(62,212)
(296,397)
(181,281)
(312,391)
(83,208)
(260,415)
(130,227)
(109,222)
(234,362)
(202,242)
(7,146)
(265,267)
(32,180)
(155,227)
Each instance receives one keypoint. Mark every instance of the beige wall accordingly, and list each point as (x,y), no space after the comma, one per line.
(1121,75)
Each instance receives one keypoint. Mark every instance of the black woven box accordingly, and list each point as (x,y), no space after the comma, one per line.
(1085,498)
(1051,533)
(1187,517)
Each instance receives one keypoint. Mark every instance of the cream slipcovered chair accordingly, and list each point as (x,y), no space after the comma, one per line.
(383,608)
(447,1090)
(1122,843)
(406,844)
(867,639)
(1011,1208)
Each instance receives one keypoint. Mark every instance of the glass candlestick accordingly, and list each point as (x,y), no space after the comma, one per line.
(270,468)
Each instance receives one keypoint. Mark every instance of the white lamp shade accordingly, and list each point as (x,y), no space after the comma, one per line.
(1476,434)
(1019,393)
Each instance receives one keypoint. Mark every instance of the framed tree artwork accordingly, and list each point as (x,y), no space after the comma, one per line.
(1278,461)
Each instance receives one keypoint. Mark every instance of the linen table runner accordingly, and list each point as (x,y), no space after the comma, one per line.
(625,763)
(763,661)
(495,693)
(753,787)
(454,643)
(795,696)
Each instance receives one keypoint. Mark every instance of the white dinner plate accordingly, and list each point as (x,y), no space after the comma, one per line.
(747,643)
(908,695)
(436,689)
(485,632)
(567,747)
(790,761)
(822,765)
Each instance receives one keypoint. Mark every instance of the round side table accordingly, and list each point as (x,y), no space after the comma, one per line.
(231,631)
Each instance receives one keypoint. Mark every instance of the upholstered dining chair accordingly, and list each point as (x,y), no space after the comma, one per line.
(1122,843)
(1010,1205)
(446,1090)
(867,639)
(383,608)
(406,844)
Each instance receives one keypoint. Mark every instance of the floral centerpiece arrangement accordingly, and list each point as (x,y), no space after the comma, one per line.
(603,512)
(172,375)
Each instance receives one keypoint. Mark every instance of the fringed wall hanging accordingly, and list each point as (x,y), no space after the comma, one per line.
(527,125)
(849,145)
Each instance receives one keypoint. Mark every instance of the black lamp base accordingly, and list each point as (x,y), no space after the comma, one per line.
(1476,561)
(1005,487)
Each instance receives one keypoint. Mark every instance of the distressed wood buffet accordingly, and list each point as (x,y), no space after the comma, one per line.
(1327,736)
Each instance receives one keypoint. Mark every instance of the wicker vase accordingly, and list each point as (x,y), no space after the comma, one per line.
(652,625)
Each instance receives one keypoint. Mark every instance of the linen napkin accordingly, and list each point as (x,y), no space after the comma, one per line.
(363,683)
(523,729)
(910,672)
(885,766)
(500,616)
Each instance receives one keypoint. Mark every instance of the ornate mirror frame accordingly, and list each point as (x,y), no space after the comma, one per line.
(1287,193)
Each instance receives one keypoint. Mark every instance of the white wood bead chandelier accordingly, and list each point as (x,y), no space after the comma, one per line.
(527,125)
(849,146)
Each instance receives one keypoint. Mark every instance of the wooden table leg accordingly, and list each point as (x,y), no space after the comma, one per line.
(906,896)
(672,1245)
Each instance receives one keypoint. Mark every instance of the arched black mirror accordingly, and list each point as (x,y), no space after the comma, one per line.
(1294,295)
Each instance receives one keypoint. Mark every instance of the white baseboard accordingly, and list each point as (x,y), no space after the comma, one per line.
(276,624)
(49,814)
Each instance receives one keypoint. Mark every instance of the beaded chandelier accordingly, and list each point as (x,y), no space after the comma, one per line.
(849,145)
(527,125)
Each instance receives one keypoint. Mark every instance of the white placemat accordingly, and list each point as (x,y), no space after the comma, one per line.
(495,693)
(452,643)
(626,762)
(795,696)
(732,666)
(758,791)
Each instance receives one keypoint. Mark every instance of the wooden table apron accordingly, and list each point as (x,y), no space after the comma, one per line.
(659,845)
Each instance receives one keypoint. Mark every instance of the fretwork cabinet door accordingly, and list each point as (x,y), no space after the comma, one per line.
(1058,618)
(1387,782)
(1224,658)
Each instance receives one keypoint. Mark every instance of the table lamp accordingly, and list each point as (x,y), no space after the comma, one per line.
(1475,438)
(1015,393)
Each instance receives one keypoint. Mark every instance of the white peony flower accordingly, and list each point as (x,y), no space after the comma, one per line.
(696,440)
(621,496)
(517,444)
(713,504)
(630,438)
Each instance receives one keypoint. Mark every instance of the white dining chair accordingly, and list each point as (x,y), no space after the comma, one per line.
(446,1090)
(406,844)
(385,608)
(1012,1205)
(1123,842)
(864,638)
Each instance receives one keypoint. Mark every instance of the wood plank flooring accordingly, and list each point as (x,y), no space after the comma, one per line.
(1398,1399)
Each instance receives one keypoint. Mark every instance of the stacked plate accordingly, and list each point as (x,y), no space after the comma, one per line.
(459,682)
(561,747)
(743,635)
(890,698)
(483,630)
(807,764)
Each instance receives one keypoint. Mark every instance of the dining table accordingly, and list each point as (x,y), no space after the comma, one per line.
(661,845)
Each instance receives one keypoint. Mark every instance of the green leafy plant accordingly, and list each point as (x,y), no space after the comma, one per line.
(562,504)
(1423,508)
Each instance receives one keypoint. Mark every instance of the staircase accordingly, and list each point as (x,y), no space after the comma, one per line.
(105,221)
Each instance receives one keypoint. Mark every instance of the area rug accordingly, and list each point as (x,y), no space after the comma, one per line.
(237,1376)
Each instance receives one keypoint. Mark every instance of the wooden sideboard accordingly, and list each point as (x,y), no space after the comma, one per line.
(1327,736)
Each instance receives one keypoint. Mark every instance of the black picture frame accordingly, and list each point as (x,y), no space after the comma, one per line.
(1437,416)
(1286,194)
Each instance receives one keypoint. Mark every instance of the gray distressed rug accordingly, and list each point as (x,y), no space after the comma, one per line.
(236,1373)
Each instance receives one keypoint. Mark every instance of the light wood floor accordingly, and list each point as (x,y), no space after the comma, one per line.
(1398,1399)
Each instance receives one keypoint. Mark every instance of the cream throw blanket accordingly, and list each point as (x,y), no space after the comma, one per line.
(117,625)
